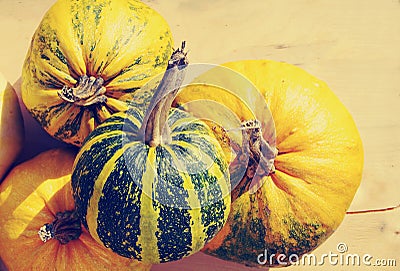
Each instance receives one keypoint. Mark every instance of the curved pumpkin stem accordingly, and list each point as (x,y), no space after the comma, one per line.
(66,227)
(154,129)
(255,155)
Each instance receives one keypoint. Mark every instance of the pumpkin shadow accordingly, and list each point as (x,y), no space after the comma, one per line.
(36,138)
(7,111)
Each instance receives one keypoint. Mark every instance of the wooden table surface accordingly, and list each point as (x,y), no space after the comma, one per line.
(352,45)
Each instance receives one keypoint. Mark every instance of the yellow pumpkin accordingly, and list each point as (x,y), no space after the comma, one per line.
(303,197)
(86,58)
(36,196)
(11,126)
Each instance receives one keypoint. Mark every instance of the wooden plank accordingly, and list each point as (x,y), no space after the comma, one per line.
(352,45)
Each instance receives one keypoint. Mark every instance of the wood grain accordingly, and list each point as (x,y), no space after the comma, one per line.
(352,45)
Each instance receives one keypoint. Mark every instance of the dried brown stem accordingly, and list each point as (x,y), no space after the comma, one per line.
(88,91)
(255,155)
(65,227)
(154,128)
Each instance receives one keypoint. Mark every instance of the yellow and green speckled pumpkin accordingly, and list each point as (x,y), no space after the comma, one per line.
(84,60)
(317,169)
(152,192)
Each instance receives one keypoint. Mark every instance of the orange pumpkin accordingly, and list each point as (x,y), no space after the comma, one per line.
(305,189)
(37,195)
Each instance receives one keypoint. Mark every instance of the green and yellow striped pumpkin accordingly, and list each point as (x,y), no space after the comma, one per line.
(155,204)
(155,200)
(86,58)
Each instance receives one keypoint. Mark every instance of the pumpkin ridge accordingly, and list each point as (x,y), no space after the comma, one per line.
(98,156)
(93,206)
(103,133)
(148,212)
(71,126)
(201,142)
(44,114)
(282,185)
(174,202)
(111,229)
(118,124)
(51,55)
(212,193)
(183,126)
(290,174)
(115,105)
(187,168)
(133,121)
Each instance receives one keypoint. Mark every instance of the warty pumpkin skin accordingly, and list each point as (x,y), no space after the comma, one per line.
(318,167)
(11,126)
(156,196)
(32,195)
(85,59)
